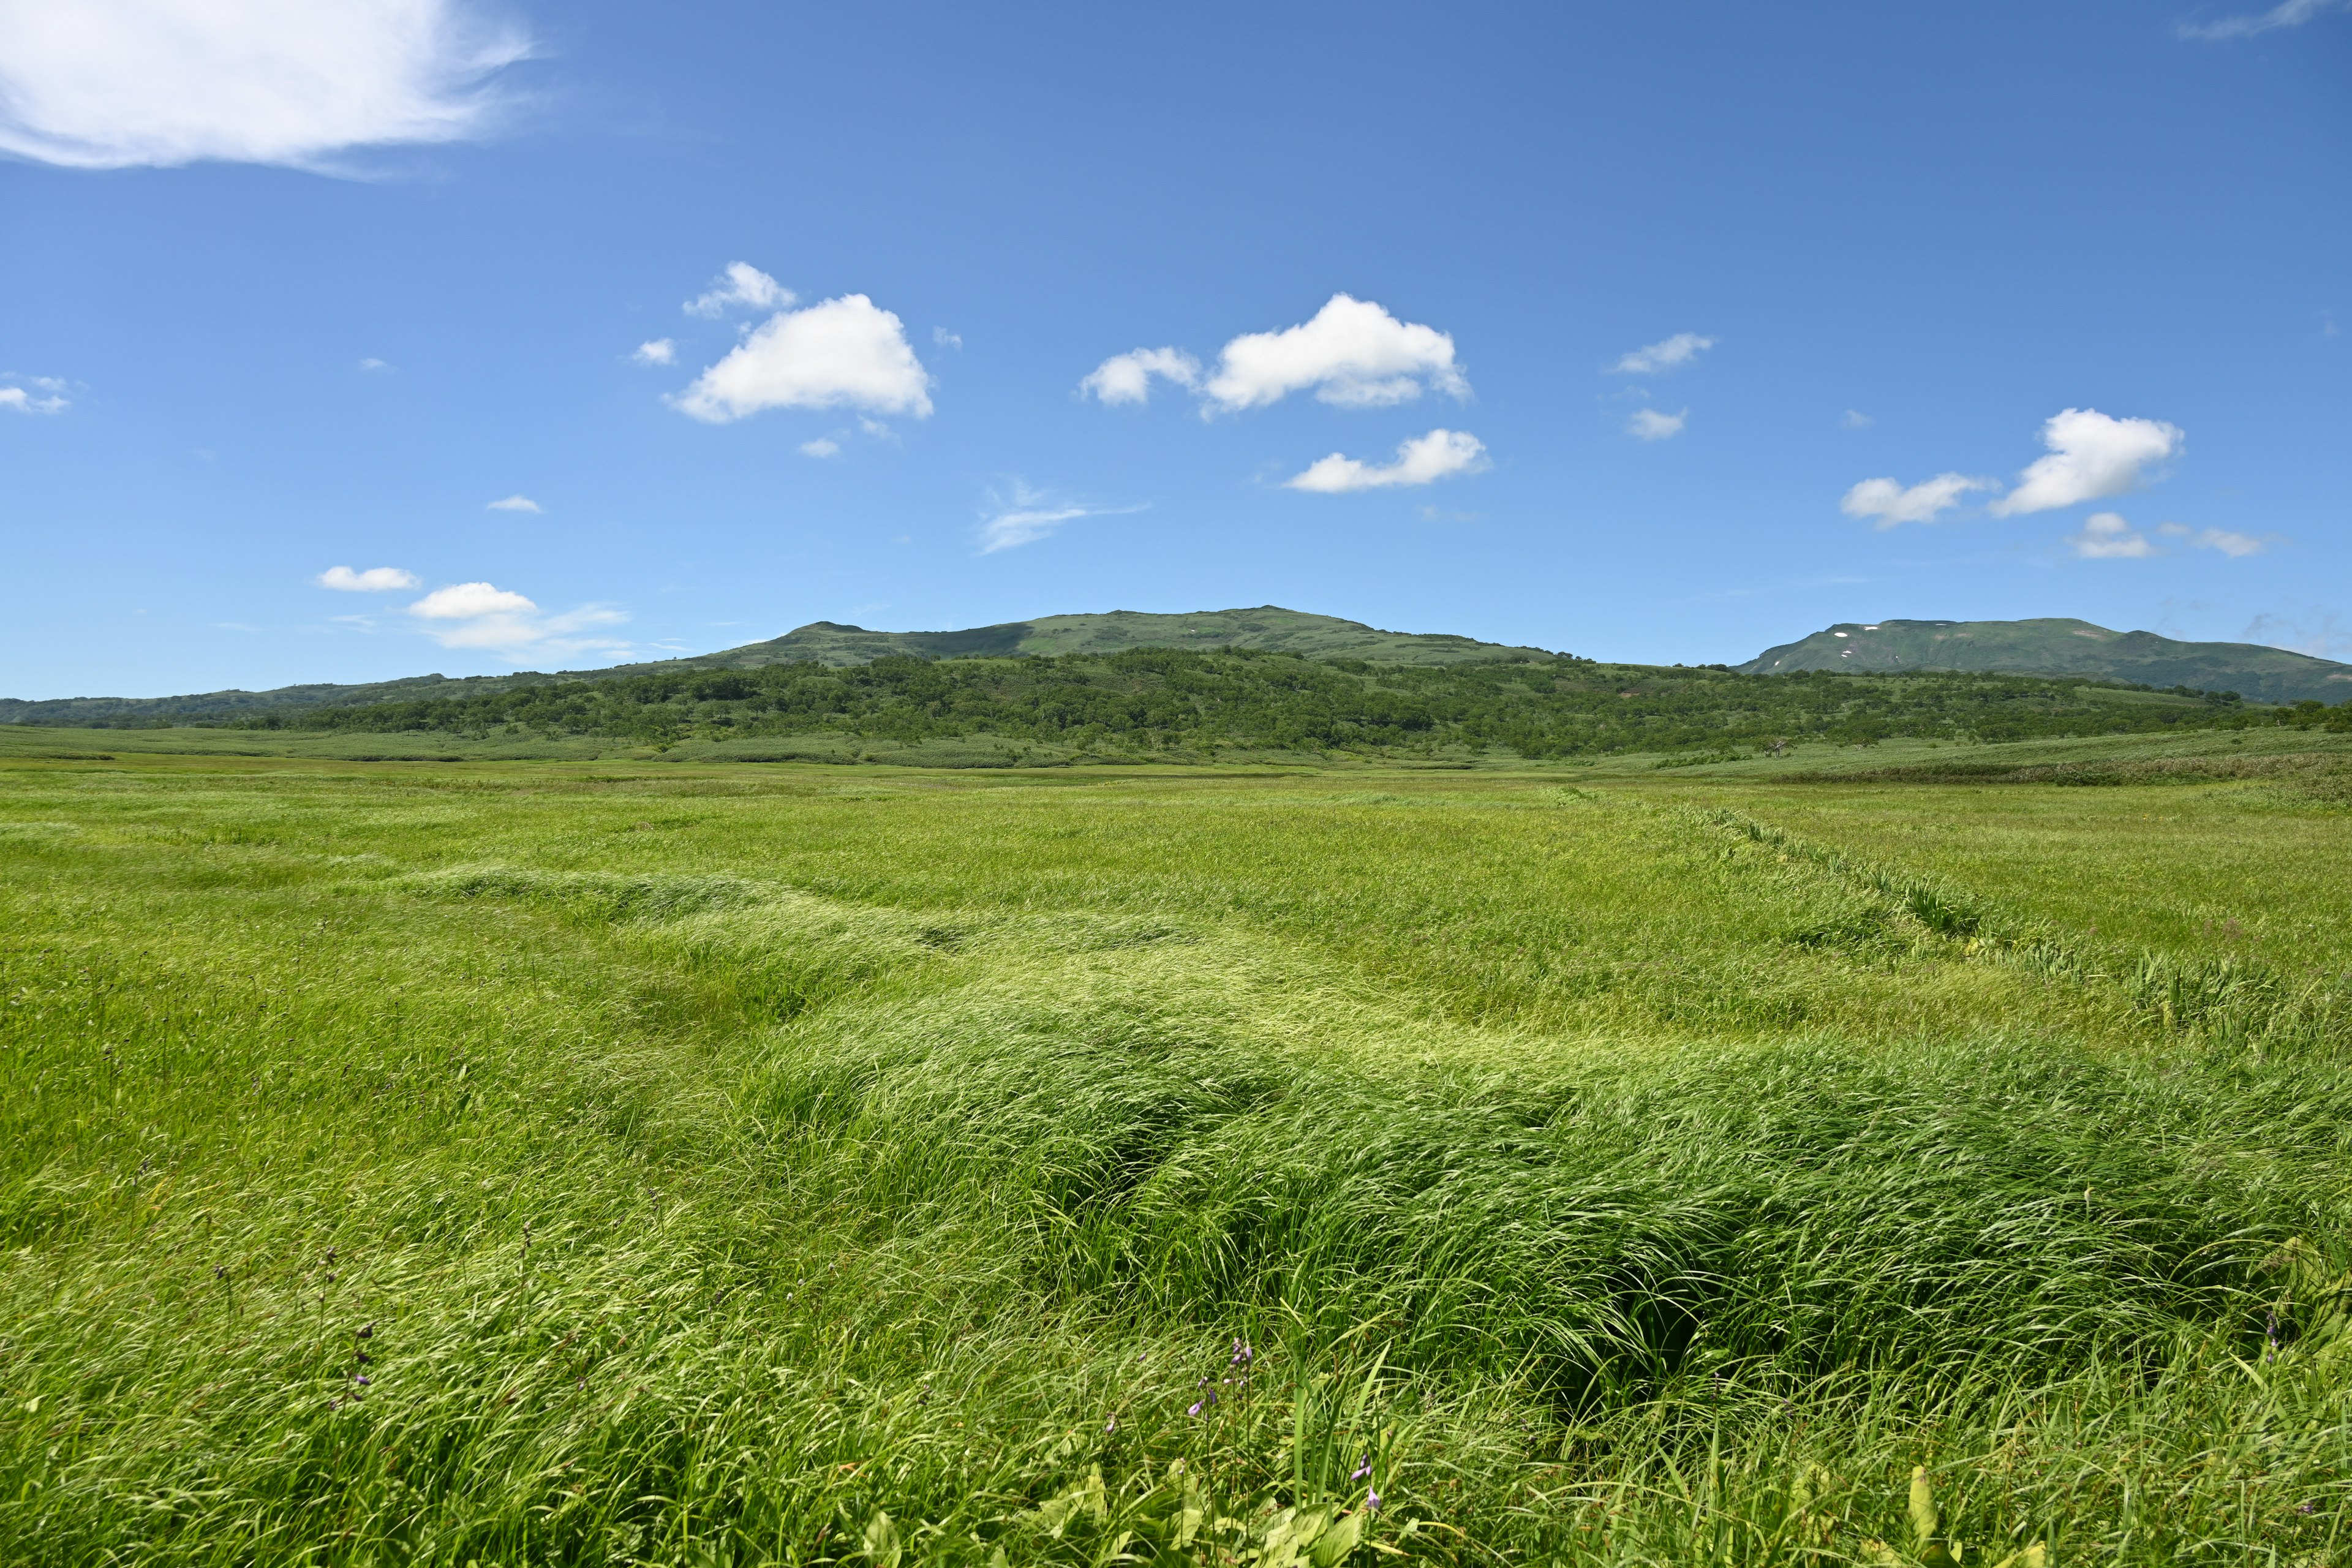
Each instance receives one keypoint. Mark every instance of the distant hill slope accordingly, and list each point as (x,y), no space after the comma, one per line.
(2062,647)
(1267,627)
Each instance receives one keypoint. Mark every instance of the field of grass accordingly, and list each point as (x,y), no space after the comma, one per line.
(1828,1159)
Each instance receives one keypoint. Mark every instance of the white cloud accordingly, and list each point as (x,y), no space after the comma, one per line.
(372,365)
(2105,536)
(741,284)
(483,616)
(375,580)
(2288,14)
(1126,378)
(36,395)
(1030,515)
(1670,354)
(1353,354)
(845,353)
(2090,457)
(1857,420)
(823,446)
(1651,425)
(468,601)
(1887,503)
(2227,543)
(659,350)
(942,338)
(1423,460)
(1024,525)
(516,504)
(112,84)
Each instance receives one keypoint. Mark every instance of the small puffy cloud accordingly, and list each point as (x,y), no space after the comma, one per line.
(1126,378)
(2226,540)
(1670,354)
(2287,13)
(741,284)
(845,353)
(2092,457)
(1887,503)
(113,84)
(34,395)
(516,504)
(658,351)
(823,446)
(942,338)
(468,601)
(483,616)
(374,366)
(1423,460)
(1651,425)
(375,580)
(1856,420)
(1029,515)
(1352,353)
(2105,536)
(2227,543)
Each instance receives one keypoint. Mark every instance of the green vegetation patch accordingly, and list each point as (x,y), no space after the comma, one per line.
(559,1163)
(1185,704)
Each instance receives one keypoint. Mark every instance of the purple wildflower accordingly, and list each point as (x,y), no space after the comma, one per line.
(1363,1469)
(1196,1408)
(360,1378)
(1371,1503)
(1110,1426)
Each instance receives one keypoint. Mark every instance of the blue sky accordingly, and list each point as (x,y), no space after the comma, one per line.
(1659,332)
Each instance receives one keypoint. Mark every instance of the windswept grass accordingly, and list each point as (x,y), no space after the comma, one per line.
(527,1164)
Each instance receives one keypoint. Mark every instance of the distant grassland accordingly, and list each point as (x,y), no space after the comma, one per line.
(697,1162)
(1175,704)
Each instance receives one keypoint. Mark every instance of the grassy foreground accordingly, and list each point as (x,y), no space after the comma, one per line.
(650,1163)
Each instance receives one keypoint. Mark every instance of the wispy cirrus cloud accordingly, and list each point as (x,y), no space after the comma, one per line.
(516,504)
(1665,354)
(2229,542)
(2287,13)
(1423,460)
(1026,515)
(114,84)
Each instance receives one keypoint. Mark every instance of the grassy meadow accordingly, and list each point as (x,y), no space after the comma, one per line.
(1845,1158)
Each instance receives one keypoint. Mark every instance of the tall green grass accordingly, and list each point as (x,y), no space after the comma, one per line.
(705,1172)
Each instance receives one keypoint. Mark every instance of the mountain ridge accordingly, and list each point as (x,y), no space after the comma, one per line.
(1268,627)
(2061,646)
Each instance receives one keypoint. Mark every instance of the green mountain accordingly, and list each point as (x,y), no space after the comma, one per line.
(1267,628)
(2058,646)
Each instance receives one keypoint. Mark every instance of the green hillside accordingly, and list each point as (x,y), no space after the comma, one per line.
(2061,646)
(1267,627)
(1178,702)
